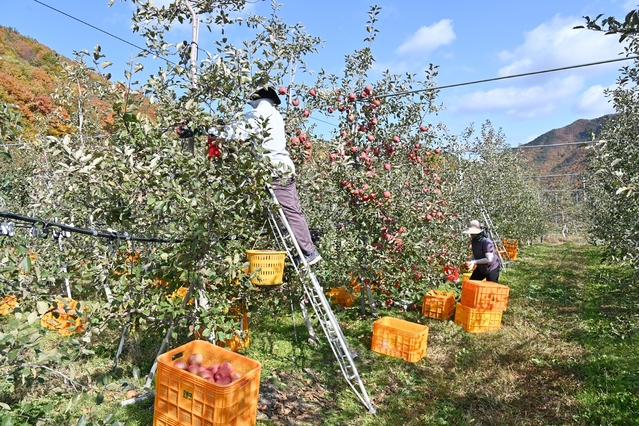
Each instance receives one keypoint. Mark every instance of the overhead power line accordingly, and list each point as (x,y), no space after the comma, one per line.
(558,175)
(555,144)
(430,89)
(389,94)
(143,49)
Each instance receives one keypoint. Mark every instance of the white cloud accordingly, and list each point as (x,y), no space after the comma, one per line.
(556,44)
(593,103)
(427,39)
(524,102)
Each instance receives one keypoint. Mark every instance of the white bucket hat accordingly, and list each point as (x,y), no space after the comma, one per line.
(474,228)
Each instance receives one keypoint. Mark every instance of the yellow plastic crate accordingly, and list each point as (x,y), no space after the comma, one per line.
(484,295)
(342,297)
(466,276)
(8,304)
(268,264)
(182,398)
(438,304)
(399,338)
(64,318)
(240,340)
(477,320)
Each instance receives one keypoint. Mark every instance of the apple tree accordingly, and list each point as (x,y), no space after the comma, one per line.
(375,188)
(612,184)
(490,178)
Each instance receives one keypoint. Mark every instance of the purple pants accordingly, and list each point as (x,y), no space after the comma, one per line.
(286,193)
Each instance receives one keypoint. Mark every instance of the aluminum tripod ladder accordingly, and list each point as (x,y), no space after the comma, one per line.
(315,295)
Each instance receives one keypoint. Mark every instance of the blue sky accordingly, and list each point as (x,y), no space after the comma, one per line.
(469,40)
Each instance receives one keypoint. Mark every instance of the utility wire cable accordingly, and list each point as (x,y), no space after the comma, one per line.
(505,77)
(555,144)
(558,175)
(608,61)
(103,31)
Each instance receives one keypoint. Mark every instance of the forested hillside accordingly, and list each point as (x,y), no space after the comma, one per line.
(567,157)
(29,73)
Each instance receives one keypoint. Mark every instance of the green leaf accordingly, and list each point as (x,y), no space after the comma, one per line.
(42,307)
(32,318)
(82,421)
(99,399)
(5,155)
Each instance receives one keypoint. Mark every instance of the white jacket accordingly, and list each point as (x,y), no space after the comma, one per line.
(265,121)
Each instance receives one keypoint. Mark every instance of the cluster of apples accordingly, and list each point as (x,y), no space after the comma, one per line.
(221,374)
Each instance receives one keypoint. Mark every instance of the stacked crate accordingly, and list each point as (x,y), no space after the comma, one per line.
(481,306)
(511,246)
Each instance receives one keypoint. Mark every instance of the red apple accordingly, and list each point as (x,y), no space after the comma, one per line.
(330,110)
(205,373)
(387,166)
(396,139)
(437,150)
(352,96)
(180,364)
(282,90)
(423,128)
(387,194)
(368,89)
(296,102)
(195,359)
(370,138)
(312,92)
(306,113)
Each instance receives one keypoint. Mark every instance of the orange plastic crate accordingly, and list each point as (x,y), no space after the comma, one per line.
(182,398)
(7,304)
(64,318)
(511,246)
(477,320)
(438,304)
(399,338)
(484,295)
(342,297)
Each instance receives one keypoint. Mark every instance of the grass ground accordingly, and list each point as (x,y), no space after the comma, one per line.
(566,354)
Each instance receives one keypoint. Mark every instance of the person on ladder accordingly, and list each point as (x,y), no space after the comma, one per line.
(484,258)
(265,119)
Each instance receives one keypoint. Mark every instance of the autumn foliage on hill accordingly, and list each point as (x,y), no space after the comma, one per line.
(36,79)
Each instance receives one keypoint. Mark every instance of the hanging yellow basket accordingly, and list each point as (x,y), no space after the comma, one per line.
(268,265)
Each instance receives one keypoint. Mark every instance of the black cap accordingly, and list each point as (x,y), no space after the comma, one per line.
(269,93)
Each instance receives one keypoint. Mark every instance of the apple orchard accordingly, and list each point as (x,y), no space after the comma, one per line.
(383,192)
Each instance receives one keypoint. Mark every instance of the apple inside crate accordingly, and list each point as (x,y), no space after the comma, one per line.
(399,338)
